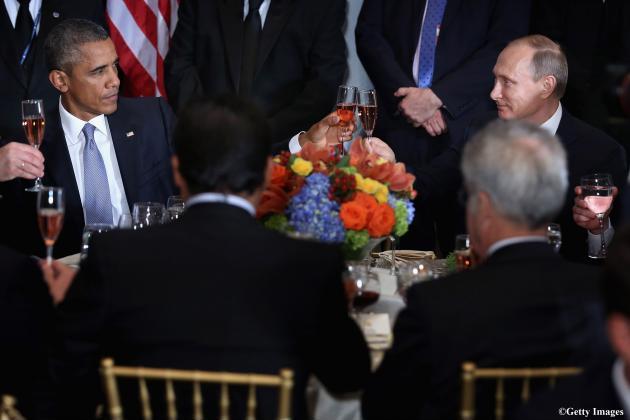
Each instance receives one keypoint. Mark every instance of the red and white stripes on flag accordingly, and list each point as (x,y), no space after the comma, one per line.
(141,31)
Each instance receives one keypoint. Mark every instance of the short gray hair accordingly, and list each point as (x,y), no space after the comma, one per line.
(62,45)
(548,60)
(521,167)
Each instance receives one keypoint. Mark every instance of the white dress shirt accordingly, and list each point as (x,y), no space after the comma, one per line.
(233,200)
(12,7)
(594,241)
(264,8)
(621,385)
(75,140)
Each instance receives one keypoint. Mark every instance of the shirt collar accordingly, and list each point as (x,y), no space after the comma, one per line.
(514,240)
(233,200)
(552,124)
(621,384)
(72,125)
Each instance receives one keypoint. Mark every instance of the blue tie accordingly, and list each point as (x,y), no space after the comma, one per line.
(98,204)
(428,41)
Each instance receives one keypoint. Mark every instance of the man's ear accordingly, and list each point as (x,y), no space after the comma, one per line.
(59,79)
(549,83)
(179,179)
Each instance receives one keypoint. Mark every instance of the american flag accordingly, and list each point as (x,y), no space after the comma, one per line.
(141,31)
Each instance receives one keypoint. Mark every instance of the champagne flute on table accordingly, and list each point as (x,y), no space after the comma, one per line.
(50,211)
(346,105)
(367,111)
(34,122)
(597,192)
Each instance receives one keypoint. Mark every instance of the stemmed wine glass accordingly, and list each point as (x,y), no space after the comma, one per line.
(367,111)
(597,192)
(147,214)
(554,236)
(362,286)
(175,207)
(50,211)
(346,105)
(33,122)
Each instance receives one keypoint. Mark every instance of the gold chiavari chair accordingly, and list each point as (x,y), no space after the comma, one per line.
(470,373)
(8,410)
(283,381)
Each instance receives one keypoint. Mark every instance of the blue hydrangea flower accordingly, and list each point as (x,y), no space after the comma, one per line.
(312,212)
(411,210)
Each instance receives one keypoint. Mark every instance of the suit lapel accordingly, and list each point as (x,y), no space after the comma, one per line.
(126,136)
(7,46)
(566,132)
(58,166)
(231,18)
(277,16)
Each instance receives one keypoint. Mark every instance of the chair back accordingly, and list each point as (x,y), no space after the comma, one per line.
(283,381)
(470,374)
(8,410)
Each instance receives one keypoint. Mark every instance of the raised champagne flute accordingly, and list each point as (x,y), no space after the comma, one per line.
(597,192)
(367,111)
(34,122)
(346,106)
(50,211)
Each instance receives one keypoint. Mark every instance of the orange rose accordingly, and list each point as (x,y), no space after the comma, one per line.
(382,221)
(353,215)
(279,175)
(273,200)
(367,201)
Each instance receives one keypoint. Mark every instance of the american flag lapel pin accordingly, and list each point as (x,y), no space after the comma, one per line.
(129,134)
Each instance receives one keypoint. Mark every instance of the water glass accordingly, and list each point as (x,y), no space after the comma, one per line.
(554,236)
(147,214)
(89,231)
(463,258)
(413,272)
(175,207)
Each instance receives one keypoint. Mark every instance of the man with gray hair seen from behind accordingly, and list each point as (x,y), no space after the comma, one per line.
(522,306)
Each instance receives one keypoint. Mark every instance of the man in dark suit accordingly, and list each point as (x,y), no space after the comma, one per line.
(155,298)
(26,311)
(106,153)
(18,21)
(288,56)
(431,63)
(606,384)
(522,306)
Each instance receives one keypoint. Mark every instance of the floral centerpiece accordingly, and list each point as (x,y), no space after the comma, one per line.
(348,200)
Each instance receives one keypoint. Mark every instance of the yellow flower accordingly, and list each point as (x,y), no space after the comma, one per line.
(381,161)
(302,167)
(371,186)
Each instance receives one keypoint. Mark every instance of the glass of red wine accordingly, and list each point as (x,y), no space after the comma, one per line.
(597,192)
(50,211)
(367,111)
(362,286)
(346,106)
(34,122)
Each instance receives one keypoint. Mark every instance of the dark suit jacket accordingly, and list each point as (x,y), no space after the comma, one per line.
(14,86)
(300,63)
(215,291)
(524,306)
(26,312)
(593,389)
(143,159)
(471,36)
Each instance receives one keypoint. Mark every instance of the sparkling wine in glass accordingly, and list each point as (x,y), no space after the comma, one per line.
(33,122)
(597,192)
(50,211)
(346,106)
(367,110)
